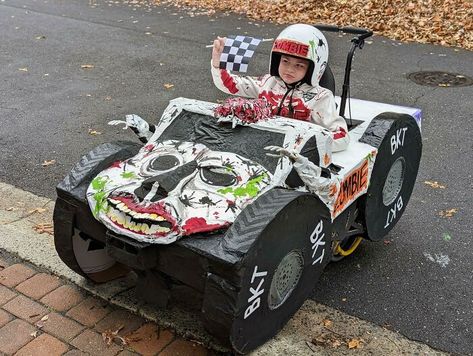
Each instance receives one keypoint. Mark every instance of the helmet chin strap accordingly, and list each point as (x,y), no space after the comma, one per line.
(290,89)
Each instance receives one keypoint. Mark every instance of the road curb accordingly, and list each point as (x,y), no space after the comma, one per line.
(315,328)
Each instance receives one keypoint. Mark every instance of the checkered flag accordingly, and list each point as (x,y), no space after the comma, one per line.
(237,52)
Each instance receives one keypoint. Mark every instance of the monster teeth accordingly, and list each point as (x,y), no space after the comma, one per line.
(156,217)
(162,229)
(122,209)
(120,217)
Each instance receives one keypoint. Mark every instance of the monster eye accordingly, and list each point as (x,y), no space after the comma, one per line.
(217,176)
(160,164)
(164,163)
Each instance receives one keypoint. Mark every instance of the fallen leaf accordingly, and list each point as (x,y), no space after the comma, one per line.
(48,162)
(448,213)
(326,340)
(44,228)
(87,66)
(108,336)
(336,343)
(319,341)
(23,69)
(37,210)
(94,132)
(434,185)
(168,85)
(40,323)
(327,322)
(354,344)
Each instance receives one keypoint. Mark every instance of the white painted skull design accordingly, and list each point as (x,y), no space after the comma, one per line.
(173,189)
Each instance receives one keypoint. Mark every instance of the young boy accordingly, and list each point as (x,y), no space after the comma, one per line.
(298,60)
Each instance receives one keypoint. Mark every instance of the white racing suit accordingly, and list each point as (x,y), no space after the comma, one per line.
(301,102)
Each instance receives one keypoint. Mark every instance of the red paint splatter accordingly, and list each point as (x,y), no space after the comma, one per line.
(116,164)
(149,147)
(194,225)
(341,133)
(300,111)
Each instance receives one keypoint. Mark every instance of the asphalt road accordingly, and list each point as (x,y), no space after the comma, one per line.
(418,281)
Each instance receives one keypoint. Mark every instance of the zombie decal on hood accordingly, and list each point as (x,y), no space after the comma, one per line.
(173,189)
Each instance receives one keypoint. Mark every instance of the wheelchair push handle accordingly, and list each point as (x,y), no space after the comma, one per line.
(357,42)
(363,33)
(346,29)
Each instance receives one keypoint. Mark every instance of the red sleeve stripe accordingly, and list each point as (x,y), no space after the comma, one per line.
(227,80)
(341,133)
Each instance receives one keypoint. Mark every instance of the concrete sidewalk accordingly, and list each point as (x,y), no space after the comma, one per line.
(42,314)
(75,319)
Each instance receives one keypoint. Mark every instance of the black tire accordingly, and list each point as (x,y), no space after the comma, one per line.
(244,307)
(398,139)
(92,163)
(74,186)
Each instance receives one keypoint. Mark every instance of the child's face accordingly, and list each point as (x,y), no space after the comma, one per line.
(292,69)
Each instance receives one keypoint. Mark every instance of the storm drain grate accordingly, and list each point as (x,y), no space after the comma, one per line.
(440,79)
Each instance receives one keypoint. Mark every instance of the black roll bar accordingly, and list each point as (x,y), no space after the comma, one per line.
(357,42)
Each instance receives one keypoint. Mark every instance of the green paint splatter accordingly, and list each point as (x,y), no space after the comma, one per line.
(250,189)
(370,157)
(100,197)
(98,183)
(312,48)
(447,237)
(128,175)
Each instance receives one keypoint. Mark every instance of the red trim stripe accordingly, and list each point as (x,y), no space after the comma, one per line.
(341,133)
(228,81)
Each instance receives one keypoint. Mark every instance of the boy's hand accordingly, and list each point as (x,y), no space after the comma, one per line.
(217,50)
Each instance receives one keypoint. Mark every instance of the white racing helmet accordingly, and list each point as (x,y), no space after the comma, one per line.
(303,41)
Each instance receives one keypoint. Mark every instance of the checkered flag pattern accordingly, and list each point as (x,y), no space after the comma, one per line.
(237,52)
